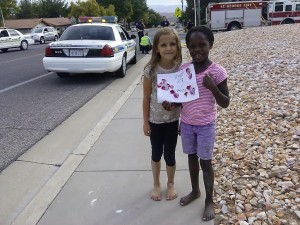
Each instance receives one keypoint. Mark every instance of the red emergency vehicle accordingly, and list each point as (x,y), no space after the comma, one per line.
(243,14)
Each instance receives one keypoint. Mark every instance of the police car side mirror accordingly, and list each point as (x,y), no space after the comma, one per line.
(132,36)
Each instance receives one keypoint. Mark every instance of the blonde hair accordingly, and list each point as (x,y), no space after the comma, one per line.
(155,56)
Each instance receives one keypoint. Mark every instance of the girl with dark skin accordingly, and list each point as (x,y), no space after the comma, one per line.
(199,41)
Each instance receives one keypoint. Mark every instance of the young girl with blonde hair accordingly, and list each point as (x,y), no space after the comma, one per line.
(159,124)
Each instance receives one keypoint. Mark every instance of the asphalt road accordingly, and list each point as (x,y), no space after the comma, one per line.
(33,102)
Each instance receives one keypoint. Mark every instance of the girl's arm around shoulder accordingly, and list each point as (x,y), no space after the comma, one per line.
(147,89)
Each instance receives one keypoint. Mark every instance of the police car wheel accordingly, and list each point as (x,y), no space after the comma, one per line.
(122,71)
(4,50)
(24,45)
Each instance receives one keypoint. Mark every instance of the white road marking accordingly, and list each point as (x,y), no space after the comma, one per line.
(24,82)
(21,58)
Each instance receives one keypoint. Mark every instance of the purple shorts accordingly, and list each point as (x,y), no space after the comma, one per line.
(198,139)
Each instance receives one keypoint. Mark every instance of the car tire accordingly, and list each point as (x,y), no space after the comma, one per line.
(42,40)
(63,75)
(24,45)
(134,60)
(55,38)
(122,71)
(4,49)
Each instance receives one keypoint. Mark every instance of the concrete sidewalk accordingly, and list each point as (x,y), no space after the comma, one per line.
(107,178)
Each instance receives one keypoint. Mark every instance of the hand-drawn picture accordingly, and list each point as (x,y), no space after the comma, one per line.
(189,73)
(177,87)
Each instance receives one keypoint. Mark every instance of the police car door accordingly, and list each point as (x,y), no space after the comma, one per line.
(126,43)
(4,39)
(131,43)
(15,38)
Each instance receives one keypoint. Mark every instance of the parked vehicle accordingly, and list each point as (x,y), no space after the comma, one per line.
(10,38)
(237,15)
(91,48)
(43,34)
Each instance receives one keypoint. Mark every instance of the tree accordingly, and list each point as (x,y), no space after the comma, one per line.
(139,10)
(153,18)
(50,8)
(90,8)
(189,12)
(26,10)
(110,11)
(9,8)
(124,12)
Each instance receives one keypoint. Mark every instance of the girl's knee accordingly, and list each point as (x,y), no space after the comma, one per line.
(193,157)
(206,165)
(170,159)
(170,162)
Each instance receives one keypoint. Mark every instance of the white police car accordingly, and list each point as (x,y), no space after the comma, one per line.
(10,38)
(91,48)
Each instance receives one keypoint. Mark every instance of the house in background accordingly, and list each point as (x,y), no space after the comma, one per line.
(25,25)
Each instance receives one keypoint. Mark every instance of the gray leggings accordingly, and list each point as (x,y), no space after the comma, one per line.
(163,139)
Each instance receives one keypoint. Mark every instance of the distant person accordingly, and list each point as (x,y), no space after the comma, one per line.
(165,22)
(159,124)
(146,44)
(189,24)
(140,26)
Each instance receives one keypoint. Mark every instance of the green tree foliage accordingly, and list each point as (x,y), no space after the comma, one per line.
(140,7)
(9,8)
(50,8)
(152,18)
(90,8)
(110,10)
(123,8)
(189,12)
(26,10)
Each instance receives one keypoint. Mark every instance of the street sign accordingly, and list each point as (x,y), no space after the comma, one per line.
(177,12)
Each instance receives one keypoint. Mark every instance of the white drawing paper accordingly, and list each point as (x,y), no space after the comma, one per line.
(177,87)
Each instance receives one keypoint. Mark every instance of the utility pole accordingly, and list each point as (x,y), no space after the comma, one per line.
(182,20)
(195,12)
(2,18)
(199,12)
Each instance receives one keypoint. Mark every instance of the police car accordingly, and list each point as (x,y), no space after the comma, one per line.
(10,38)
(91,48)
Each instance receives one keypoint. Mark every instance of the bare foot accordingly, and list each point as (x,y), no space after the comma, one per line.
(189,198)
(155,193)
(209,211)
(171,192)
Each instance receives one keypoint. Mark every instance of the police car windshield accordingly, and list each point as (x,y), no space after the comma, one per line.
(37,30)
(88,33)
